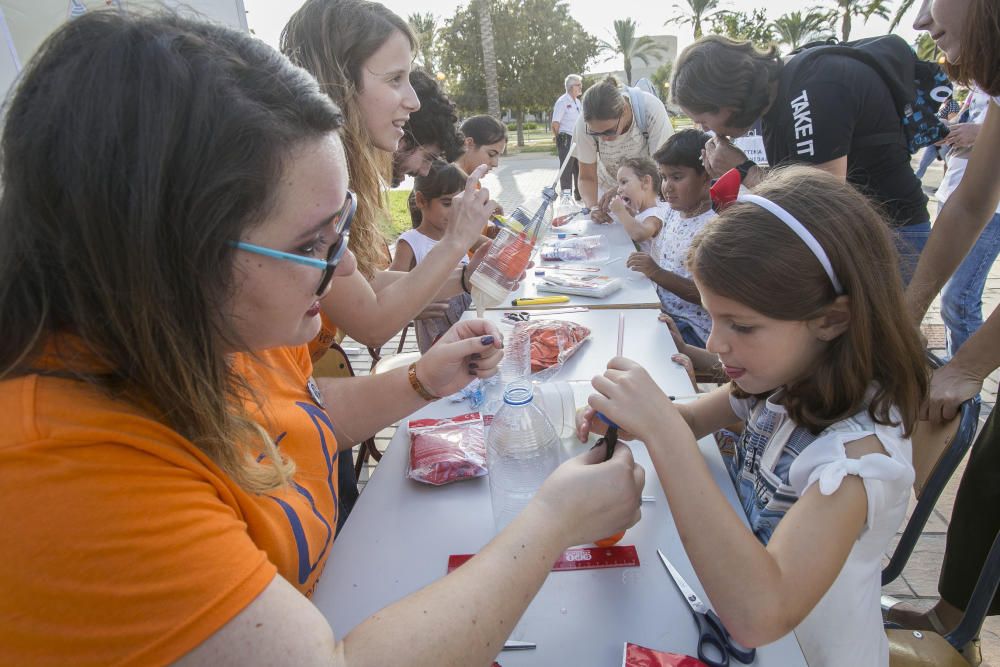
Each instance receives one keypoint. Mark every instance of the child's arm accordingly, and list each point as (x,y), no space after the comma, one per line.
(638,231)
(806,551)
(668,280)
(703,360)
(404,259)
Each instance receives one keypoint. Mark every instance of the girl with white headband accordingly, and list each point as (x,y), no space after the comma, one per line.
(807,322)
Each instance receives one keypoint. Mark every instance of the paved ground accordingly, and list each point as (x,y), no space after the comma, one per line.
(521,178)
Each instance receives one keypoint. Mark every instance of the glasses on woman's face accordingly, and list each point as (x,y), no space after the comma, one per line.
(342,228)
(611,131)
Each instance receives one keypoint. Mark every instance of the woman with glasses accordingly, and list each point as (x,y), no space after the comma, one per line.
(611,131)
(167,466)
(361,53)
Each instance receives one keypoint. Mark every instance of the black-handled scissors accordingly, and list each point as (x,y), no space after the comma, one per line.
(712,634)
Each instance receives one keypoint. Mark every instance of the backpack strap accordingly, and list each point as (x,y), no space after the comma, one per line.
(638,112)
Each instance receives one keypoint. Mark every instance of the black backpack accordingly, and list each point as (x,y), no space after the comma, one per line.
(918,87)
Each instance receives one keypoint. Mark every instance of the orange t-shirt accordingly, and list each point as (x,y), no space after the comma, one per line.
(123,544)
(326,337)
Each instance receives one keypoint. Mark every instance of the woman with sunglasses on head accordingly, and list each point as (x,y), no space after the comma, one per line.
(968,33)
(361,53)
(611,131)
(161,260)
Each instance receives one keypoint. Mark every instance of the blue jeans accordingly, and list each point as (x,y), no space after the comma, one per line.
(962,297)
(910,241)
(688,332)
(928,156)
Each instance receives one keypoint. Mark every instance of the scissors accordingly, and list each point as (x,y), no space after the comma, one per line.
(712,633)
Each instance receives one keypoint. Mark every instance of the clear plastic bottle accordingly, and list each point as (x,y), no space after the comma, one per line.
(508,256)
(563,208)
(522,449)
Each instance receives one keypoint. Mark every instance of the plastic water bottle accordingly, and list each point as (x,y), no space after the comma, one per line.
(522,449)
(563,208)
(509,255)
(515,365)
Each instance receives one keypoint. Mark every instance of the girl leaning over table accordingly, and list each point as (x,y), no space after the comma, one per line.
(828,385)
(151,514)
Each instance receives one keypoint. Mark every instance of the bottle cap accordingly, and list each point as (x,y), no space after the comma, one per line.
(561,235)
(539,272)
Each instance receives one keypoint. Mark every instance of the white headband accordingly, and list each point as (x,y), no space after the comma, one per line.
(800,231)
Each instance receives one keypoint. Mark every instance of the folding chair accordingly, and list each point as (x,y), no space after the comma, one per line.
(376,352)
(911,648)
(937,451)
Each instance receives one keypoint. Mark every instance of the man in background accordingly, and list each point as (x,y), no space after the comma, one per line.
(564,115)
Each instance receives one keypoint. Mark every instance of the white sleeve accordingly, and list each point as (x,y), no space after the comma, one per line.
(586,150)
(659,125)
(557,111)
(887,477)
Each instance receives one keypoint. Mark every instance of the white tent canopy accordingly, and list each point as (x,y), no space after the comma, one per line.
(25,23)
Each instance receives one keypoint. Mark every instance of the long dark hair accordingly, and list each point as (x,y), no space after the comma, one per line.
(135,149)
(749,256)
(717,72)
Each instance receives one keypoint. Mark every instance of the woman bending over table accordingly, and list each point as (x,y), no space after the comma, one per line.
(174,204)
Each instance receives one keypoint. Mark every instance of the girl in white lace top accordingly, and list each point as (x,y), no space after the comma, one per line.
(806,322)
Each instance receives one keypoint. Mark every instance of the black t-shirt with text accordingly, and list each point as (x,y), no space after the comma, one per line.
(833,102)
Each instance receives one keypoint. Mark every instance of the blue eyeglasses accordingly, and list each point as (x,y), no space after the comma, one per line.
(328,266)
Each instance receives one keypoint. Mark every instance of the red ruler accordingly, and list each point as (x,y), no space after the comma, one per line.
(579,558)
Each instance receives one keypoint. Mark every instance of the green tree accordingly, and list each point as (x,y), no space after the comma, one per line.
(753,27)
(904,7)
(661,80)
(795,28)
(537,43)
(425,27)
(694,14)
(489,60)
(846,10)
(628,46)
(926,47)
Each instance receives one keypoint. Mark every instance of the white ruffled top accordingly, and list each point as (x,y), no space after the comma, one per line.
(845,627)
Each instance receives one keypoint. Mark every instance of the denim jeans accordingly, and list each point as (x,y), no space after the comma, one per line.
(910,241)
(929,155)
(962,297)
(688,332)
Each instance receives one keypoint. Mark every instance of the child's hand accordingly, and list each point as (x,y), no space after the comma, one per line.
(618,207)
(643,263)
(471,210)
(688,365)
(675,333)
(588,422)
(630,398)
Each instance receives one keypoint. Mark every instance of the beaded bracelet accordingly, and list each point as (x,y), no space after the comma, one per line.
(418,386)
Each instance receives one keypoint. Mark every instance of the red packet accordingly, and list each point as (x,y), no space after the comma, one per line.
(447,450)
(640,656)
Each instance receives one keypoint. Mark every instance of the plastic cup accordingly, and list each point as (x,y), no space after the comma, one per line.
(557,401)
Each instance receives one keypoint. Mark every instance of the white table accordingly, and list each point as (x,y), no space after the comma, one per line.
(401,533)
(637,291)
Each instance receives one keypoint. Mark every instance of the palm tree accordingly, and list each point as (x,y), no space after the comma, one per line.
(489,58)
(696,12)
(926,48)
(847,9)
(425,27)
(628,46)
(904,7)
(795,28)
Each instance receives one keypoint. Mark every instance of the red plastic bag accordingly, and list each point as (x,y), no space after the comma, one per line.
(553,341)
(447,450)
(640,656)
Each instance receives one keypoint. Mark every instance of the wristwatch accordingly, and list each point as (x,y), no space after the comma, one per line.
(745,168)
